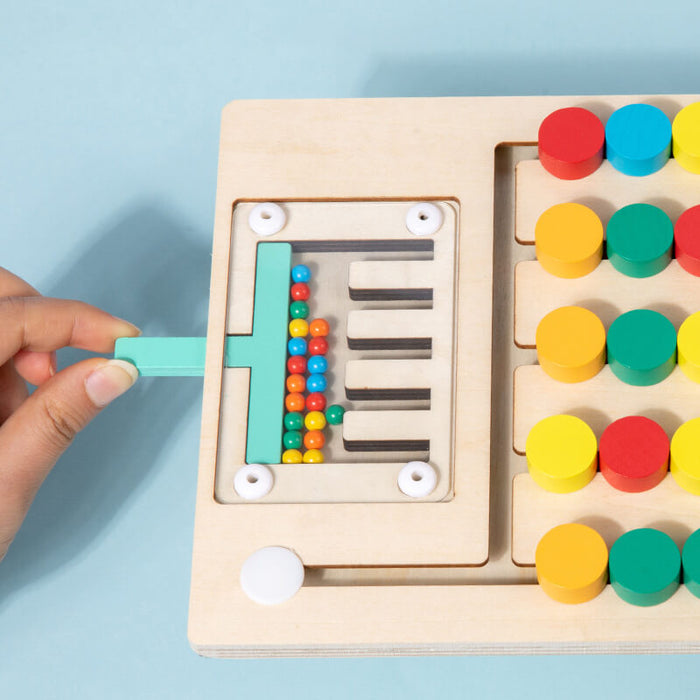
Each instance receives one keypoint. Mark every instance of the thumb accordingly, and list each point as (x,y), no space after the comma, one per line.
(37,433)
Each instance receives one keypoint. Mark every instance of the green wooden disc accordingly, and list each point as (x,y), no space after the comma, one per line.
(639,239)
(641,347)
(645,567)
(691,563)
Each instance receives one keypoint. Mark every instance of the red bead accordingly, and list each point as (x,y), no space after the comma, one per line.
(300,291)
(296,364)
(315,401)
(294,402)
(318,346)
(634,454)
(296,383)
(686,233)
(319,327)
(571,143)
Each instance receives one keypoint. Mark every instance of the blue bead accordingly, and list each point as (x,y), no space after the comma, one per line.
(301,273)
(317,364)
(638,139)
(297,346)
(316,382)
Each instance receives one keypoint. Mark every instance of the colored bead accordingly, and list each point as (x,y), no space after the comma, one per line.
(291,457)
(294,402)
(572,563)
(296,383)
(686,138)
(314,440)
(300,291)
(315,420)
(562,453)
(313,457)
(319,327)
(301,273)
(689,347)
(570,143)
(639,240)
(318,346)
(690,563)
(645,567)
(571,344)
(317,364)
(685,456)
(292,440)
(334,414)
(633,454)
(296,346)
(315,402)
(293,421)
(298,328)
(641,347)
(638,139)
(298,309)
(687,239)
(569,240)
(316,383)
(296,364)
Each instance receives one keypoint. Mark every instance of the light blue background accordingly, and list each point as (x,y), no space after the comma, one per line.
(109,118)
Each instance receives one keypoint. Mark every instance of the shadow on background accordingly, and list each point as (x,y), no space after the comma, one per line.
(144,268)
(572,73)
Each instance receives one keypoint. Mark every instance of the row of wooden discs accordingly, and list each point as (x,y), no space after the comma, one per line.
(644,566)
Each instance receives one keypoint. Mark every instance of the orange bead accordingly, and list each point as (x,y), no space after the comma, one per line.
(319,327)
(314,440)
(294,402)
(295,384)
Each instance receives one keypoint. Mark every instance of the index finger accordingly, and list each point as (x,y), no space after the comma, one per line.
(13,286)
(43,324)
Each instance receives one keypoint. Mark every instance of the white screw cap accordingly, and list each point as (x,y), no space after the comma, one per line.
(253,481)
(267,218)
(424,219)
(417,479)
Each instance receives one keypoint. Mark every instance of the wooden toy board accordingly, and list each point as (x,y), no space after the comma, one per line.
(446,375)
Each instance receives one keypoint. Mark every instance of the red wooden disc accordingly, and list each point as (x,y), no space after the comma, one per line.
(634,454)
(686,234)
(571,143)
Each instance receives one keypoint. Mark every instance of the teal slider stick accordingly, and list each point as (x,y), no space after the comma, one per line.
(263,352)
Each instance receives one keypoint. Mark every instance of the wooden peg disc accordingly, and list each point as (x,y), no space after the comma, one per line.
(686,234)
(685,456)
(686,137)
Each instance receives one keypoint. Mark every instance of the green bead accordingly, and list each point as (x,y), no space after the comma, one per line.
(292,439)
(298,309)
(293,421)
(639,239)
(641,347)
(645,567)
(334,414)
(691,563)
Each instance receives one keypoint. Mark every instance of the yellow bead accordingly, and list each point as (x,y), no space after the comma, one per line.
(298,328)
(569,240)
(313,457)
(689,347)
(572,563)
(291,457)
(571,344)
(685,456)
(562,453)
(315,420)
(686,138)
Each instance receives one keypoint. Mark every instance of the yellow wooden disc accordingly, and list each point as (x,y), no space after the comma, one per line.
(688,343)
(686,137)
(569,240)
(685,456)
(572,563)
(571,344)
(562,453)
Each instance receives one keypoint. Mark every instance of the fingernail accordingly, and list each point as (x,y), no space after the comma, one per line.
(110,380)
(53,363)
(134,331)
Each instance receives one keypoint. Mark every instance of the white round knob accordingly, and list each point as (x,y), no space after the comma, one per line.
(267,218)
(424,219)
(272,575)
(253,481)
(417,479)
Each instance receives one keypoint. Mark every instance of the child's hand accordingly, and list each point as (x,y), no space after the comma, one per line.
(36,429)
